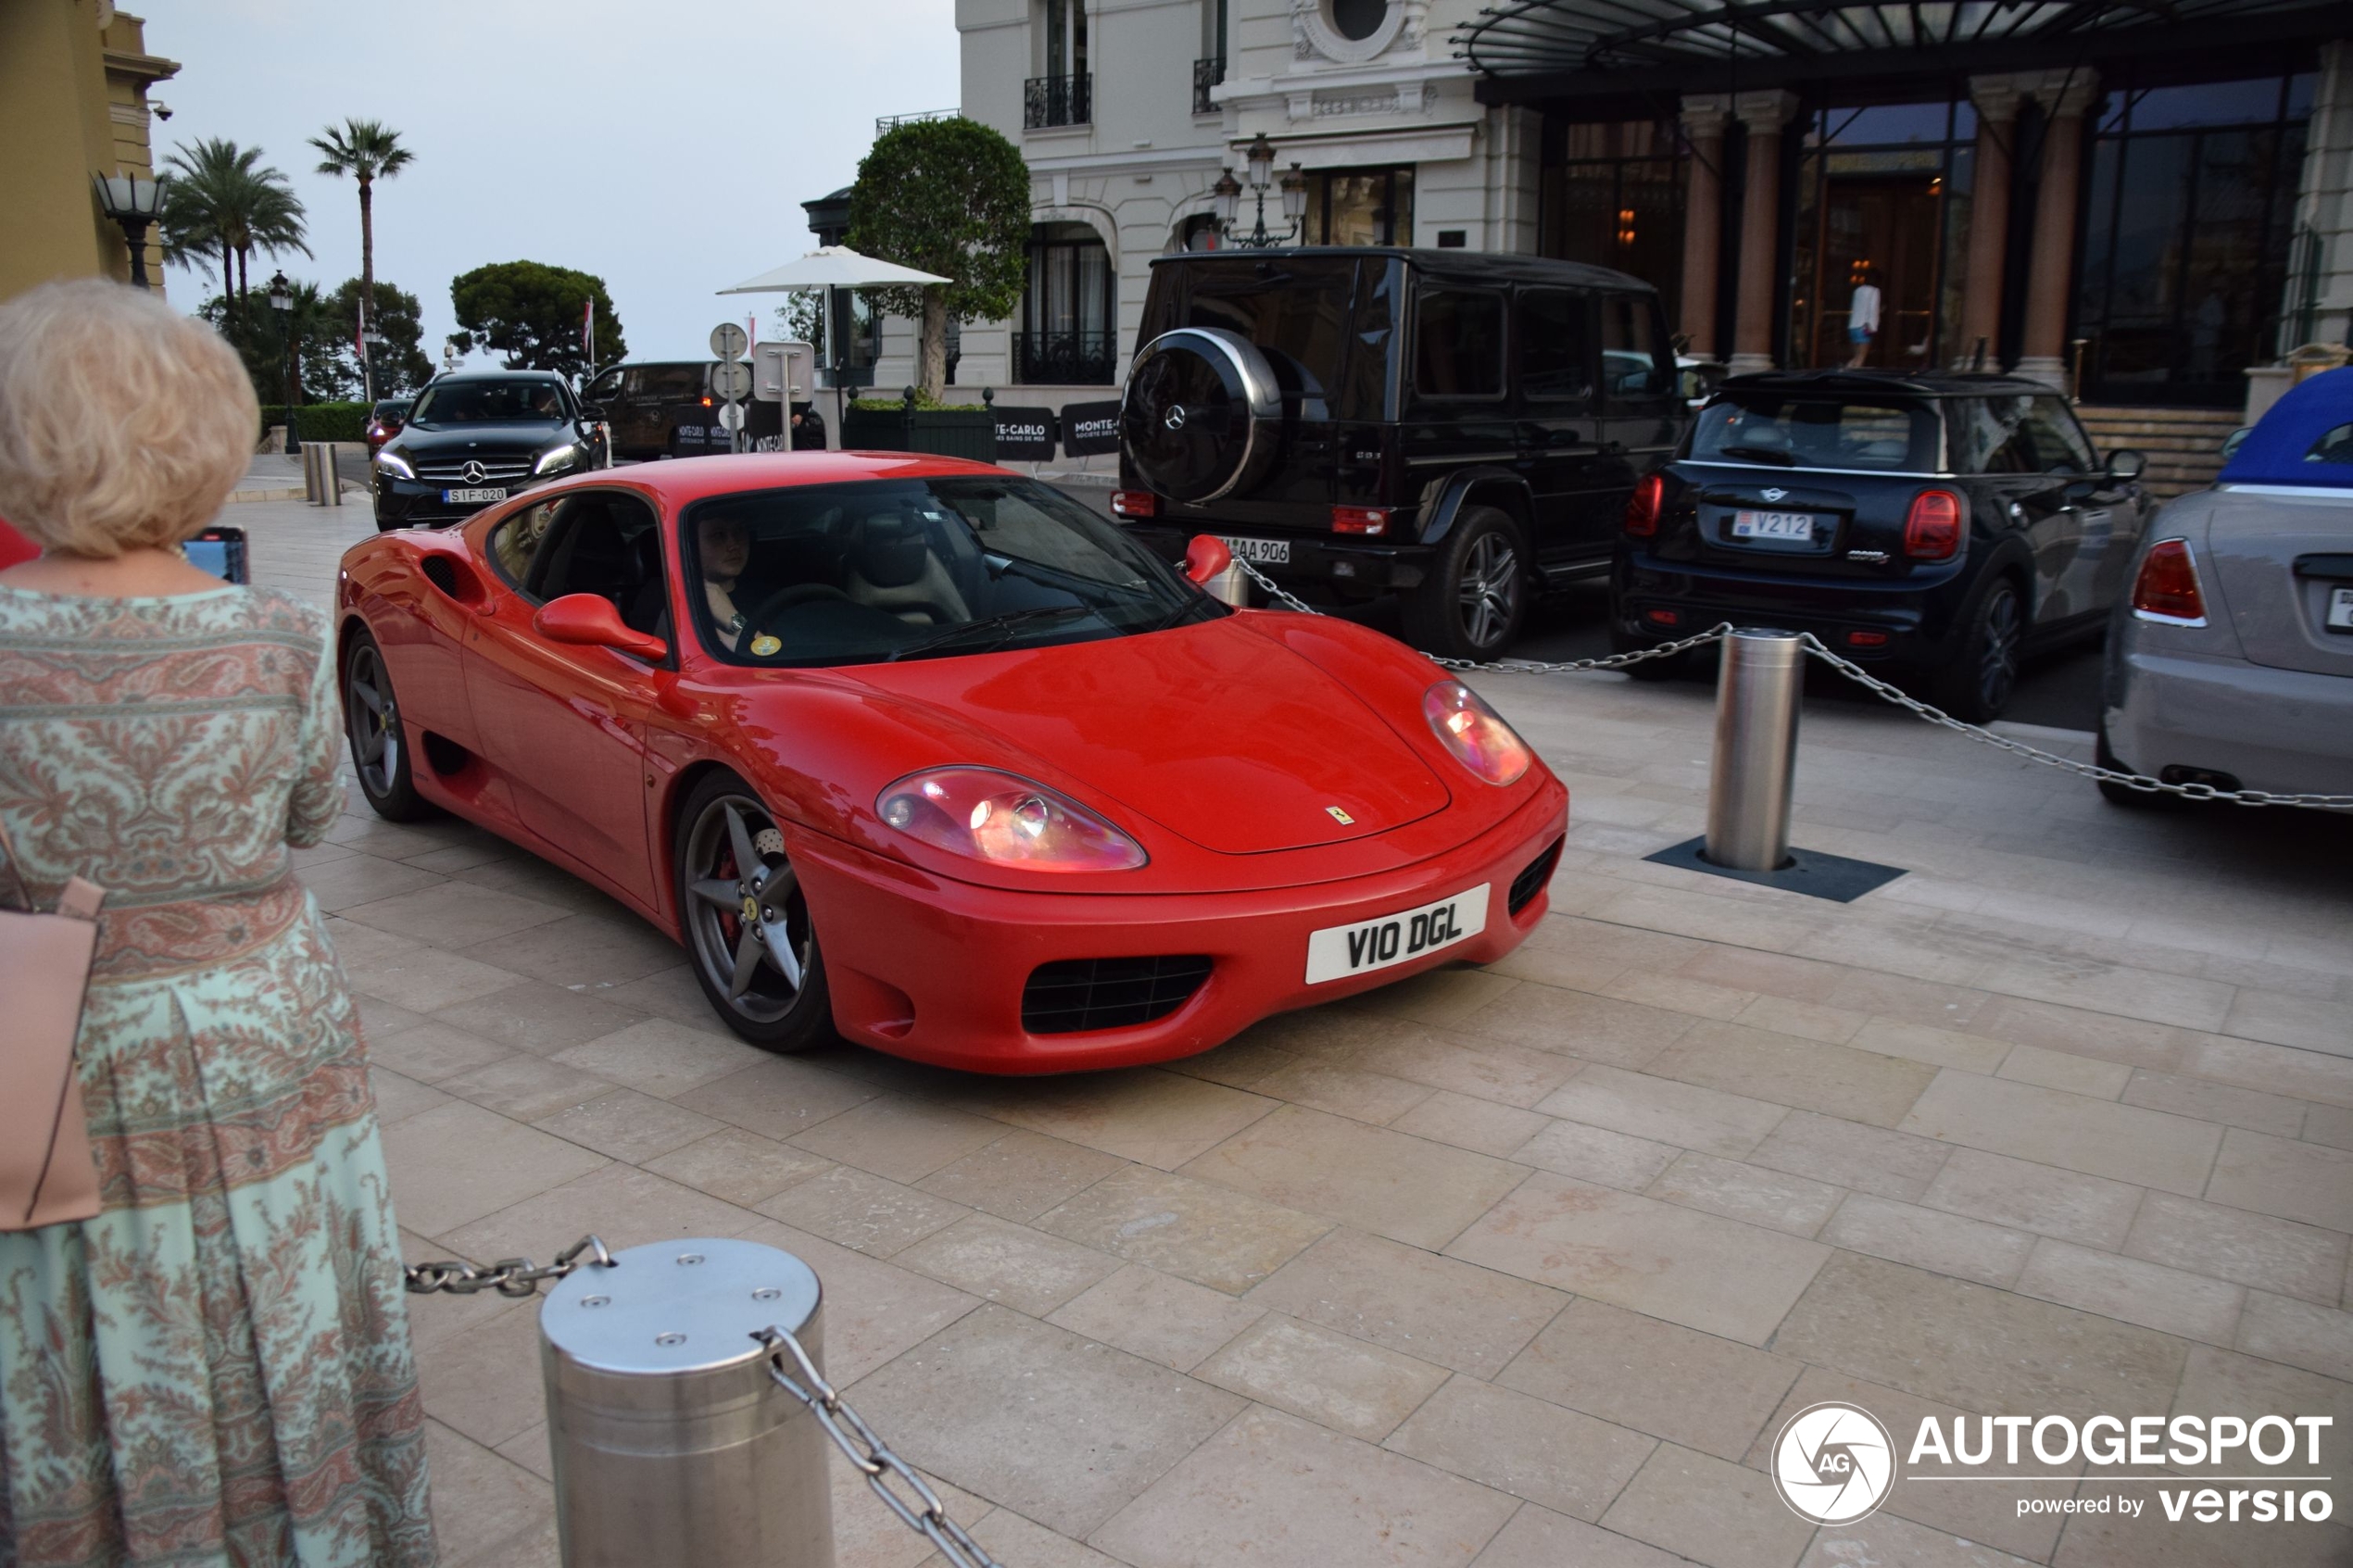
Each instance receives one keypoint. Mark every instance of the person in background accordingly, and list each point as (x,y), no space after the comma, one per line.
(1862,314)
(215,1368)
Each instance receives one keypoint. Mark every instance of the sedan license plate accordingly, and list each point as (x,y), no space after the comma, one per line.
(1258,552)
(1336,952)
(2340,609)
(468,497)
(1773,525)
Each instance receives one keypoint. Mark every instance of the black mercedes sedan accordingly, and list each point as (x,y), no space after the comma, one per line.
(1942,526)
(478,436)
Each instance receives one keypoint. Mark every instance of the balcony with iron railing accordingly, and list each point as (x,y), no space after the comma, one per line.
(1073,358)
(1057,100)
(888,122)
(1207,74)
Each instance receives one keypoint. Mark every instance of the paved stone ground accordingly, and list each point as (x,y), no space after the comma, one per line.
(1520,1267)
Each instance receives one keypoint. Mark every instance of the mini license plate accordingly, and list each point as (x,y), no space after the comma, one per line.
(467,497)
(1258,552)
(1337,951)
(2340,609)
(1773,525)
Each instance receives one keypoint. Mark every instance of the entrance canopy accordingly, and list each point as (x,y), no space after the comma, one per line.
(1530,49)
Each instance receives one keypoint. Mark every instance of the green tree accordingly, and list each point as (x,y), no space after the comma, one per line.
(218,200)
(321,352)
(950,196)
(367,150)
(400,362)
(531,312)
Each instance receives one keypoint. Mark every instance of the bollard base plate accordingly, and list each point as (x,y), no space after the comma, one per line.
(1809,872)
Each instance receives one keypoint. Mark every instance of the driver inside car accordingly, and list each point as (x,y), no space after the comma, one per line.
(723,546)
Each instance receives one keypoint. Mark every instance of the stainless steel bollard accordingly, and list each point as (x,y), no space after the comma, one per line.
(1231,586)
(674,1447)
(1757,706)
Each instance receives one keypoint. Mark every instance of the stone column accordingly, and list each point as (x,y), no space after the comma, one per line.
(2043,354)
(1704,119)
(1764,114)
(1996,98)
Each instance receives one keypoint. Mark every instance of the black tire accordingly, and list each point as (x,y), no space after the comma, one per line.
(777,1006)
(1978,683)
(380,751)
(1474,600)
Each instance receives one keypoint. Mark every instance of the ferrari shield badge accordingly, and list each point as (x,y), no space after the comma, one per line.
(1342,818)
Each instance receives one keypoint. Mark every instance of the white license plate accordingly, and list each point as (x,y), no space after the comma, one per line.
(1337,951)
(1258,552)
(1773,525)
(2340,609)
(467,497)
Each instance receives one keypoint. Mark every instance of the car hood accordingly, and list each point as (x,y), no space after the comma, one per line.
(1212,732)
(436,439)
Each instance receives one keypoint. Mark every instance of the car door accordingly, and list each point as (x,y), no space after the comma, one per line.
(1559,429)
(562,725)
(1456,412)
(1643,412)
(2107,514)
(2009,437)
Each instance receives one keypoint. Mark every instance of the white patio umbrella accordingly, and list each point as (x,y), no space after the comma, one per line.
(829,267)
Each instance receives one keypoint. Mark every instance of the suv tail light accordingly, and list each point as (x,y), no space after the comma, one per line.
(2167,588)
(1134,503)
(1641,508)
(1933,528)
(1360,519)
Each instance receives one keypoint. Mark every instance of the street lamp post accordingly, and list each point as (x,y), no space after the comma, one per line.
(281,301)
(369,341)
(134,203)
(1225,197)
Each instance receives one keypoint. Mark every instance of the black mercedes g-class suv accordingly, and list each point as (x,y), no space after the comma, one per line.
(1462,429)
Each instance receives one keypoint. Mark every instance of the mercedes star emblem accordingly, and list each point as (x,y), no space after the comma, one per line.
(1174,418)
(473,472)
(1775,494)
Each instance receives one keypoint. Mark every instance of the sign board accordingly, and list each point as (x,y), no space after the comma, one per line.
(1090,428)
(731,416)
(728,340)
(1026,433)
(729,379)
(768,363)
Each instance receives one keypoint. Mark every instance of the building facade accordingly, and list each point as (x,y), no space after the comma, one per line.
(74,76)
(2143,204)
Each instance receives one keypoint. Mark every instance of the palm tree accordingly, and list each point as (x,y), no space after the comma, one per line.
(220,200)
(367,150)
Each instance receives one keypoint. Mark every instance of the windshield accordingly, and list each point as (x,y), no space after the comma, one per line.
(1779,429)
(902,569)
(489,401)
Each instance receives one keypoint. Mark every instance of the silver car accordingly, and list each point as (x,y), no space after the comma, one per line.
(2230,660)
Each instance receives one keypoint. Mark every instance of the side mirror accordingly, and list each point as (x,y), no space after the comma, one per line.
(1205,557)
(590,621)
(2124,465)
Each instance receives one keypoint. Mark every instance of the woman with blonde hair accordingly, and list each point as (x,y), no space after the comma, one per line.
(215,1368)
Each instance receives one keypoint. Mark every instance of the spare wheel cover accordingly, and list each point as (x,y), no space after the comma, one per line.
(1199,417)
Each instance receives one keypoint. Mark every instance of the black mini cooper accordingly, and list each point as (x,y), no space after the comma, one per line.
(1942,525)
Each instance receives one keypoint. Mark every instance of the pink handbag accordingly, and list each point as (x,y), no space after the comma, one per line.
(47,1174)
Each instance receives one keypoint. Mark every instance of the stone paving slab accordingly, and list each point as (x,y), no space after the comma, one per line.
(1513,1268)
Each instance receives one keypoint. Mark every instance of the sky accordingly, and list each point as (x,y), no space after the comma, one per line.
(665,146)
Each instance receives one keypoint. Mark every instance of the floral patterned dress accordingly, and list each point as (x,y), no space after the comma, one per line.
(216,1369)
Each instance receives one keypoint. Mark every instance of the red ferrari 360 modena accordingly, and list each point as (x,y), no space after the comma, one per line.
(926,752)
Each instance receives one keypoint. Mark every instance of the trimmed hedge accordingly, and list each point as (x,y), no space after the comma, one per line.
(320,421)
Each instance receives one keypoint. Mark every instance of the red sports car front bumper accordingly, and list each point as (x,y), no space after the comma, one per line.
(935,970)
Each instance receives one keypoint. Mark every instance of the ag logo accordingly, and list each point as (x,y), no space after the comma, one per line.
(1833,1463)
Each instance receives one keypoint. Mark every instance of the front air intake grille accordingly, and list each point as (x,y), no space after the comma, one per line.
(1531,882)
(495,470)
(1072,995)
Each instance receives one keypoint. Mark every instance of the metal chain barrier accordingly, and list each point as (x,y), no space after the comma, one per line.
(1853,672)
(508,1276)
(872,1455)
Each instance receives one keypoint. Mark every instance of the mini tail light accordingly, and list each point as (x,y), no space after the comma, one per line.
(1360,519)
(1933,528)
(1865,639)
(2166,588)
(1134,503)
(1475,733)
(1664,617)
(1641,508)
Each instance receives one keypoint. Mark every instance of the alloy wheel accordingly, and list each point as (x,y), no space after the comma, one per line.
(2000,634)
(746,914)
(1489,589)
(373,720)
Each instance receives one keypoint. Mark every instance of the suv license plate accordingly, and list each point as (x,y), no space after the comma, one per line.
(2340,609)
(467,497)
(1773,525)
(1337,951)
(1258,552)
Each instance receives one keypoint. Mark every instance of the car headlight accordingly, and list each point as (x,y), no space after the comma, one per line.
(396,465)
(555,459)
(1475,733)
(1005,820)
